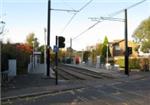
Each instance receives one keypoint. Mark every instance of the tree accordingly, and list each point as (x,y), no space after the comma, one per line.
(99,49)
(93,56)
(8,51)
(32,40)
(20,52)
(142,35)
(104,50)
(86,55)
(23,57)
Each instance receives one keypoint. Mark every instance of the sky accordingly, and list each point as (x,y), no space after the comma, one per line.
(26,16)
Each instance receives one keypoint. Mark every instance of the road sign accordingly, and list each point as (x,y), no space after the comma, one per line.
(55,49)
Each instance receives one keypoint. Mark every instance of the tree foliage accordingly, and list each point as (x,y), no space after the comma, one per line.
(32,40)
(86,55)
(99,49)
(20,52)
(104,48)
(142,34)
(7,52)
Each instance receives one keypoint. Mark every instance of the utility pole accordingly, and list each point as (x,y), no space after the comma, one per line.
(126,55)
(126,45)
(48,38)
(48,33)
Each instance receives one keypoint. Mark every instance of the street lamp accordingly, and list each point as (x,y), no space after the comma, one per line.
(107,52)
(2,25)
(33,60)
(45,48)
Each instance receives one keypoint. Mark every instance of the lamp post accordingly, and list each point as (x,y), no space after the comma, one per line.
(45,49)
(33,56)
(2,25)
(82,55)
(107,52)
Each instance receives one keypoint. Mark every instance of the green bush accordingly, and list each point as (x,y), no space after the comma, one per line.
(23,59)
(144,64)
(120,62)
(134,63)
(7,52)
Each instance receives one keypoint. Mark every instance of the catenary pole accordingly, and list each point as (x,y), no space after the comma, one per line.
(48,38)
(126,45)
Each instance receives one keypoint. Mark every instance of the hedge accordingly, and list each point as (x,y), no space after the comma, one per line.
(134,63)
(10,51)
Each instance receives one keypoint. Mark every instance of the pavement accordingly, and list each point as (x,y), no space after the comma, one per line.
(30,85)
(35,84)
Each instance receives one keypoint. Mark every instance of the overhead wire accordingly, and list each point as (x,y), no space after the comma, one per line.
(118,12)
(73,16)
(87,30)
(111,15)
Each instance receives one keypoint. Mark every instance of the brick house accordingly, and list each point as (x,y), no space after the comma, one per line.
(117,48)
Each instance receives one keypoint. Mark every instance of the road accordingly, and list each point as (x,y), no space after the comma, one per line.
(114,92)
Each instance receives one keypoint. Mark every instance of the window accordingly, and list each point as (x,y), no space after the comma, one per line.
(117,47)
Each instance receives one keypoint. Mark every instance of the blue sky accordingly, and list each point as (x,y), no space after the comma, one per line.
(25,16)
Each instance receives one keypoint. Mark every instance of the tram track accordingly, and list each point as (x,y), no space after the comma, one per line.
(72,73)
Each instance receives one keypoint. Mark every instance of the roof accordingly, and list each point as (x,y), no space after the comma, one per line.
(116,41)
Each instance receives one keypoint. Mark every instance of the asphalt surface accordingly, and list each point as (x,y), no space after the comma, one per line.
(34,89)
(123,92)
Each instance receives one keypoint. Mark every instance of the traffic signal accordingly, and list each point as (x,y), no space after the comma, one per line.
(129,50)
(61,42)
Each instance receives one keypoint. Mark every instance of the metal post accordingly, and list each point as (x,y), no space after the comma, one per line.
(33,60)
(107,53)
(45,50)
(70,42)
(82,55)
(71,49)
(48,38)
(126,45)
(56,61)
(2,26)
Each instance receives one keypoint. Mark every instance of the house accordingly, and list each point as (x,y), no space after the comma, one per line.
(117,48)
